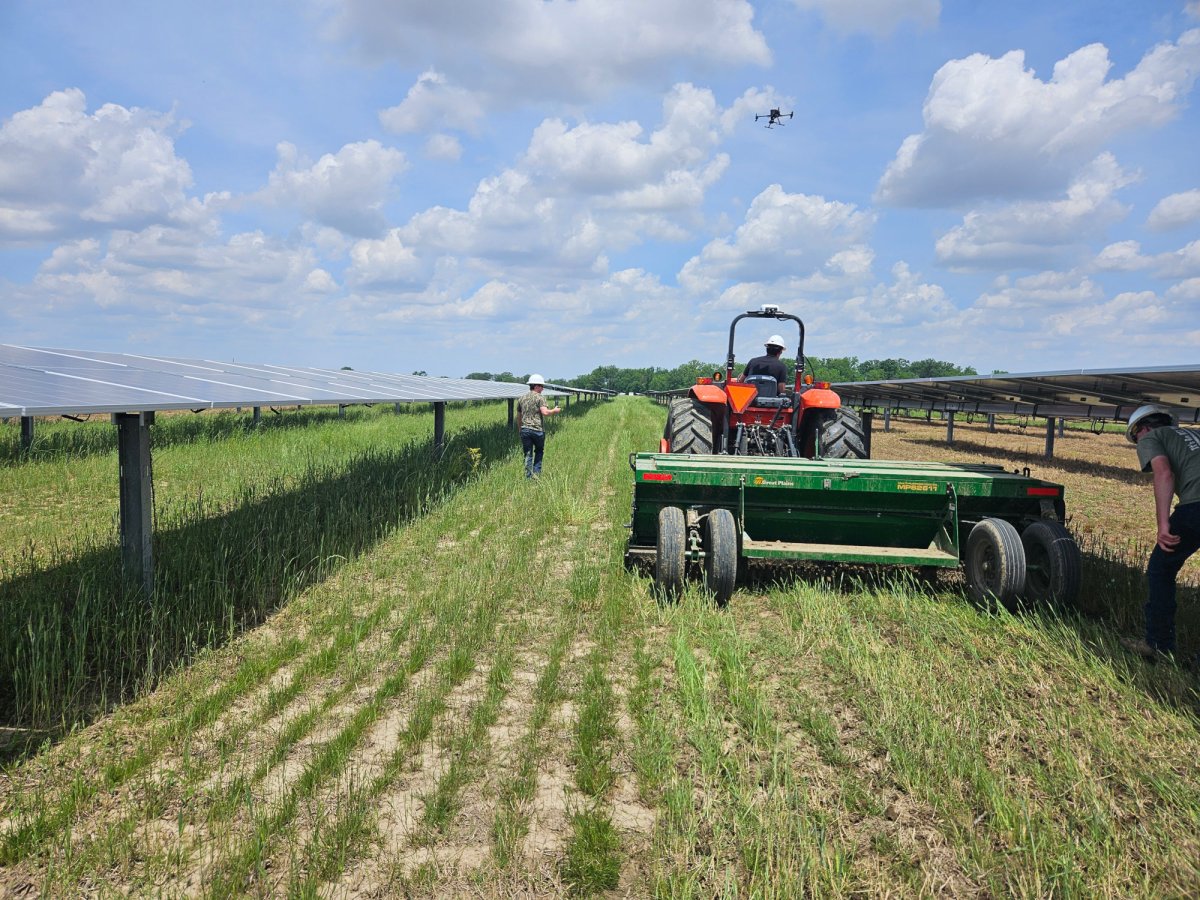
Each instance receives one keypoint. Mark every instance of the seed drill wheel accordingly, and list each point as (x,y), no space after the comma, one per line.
(1052,563)
(690,427)
(670,562)
(995,563)
(840,434)
(721,554)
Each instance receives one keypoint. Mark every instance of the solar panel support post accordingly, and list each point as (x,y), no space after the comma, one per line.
(439,426)
(257,416)
(1062,426)
(868,420)
(1050,437)
(396,408)
(136,498)
(341,410)
(26,434)
(510,411)
(992,423)
(887,419)
(949,427)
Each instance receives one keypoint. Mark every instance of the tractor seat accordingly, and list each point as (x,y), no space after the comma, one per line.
(768,392)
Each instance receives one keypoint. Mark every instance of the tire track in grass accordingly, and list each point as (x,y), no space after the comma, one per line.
(242,867)
(235,872)
(99,773)
(214,709)
(152,812)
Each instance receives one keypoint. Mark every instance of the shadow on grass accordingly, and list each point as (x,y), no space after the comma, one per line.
(55,440)
(74,641)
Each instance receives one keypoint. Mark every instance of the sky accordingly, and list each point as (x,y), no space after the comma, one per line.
(554,185)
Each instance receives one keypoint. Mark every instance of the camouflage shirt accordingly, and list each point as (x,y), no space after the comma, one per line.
(529,408)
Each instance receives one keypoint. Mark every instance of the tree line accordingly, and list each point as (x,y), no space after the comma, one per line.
(654,378)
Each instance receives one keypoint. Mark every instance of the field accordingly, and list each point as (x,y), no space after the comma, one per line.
(401,679)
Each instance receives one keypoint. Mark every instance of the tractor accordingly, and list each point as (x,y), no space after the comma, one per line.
(757,416)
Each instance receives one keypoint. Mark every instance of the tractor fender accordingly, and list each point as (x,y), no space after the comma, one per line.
(820,398)
(709,393)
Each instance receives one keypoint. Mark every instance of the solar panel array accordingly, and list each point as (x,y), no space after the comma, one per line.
(1097,394)
(39,381)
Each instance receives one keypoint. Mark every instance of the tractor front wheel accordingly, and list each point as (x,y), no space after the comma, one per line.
(670,560)
(840,435)
(690,427)
(995,563)
(1052,562)
(721,554)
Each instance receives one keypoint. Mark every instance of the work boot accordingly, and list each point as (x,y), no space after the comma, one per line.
(1144,650)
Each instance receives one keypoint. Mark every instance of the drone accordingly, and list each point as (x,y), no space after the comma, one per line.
(773,118)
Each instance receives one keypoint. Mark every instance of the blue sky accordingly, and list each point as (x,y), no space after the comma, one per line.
(524,185)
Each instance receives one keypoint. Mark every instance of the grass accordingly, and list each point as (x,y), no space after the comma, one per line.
(479,699)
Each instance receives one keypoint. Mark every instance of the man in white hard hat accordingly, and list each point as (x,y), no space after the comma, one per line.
(1172,454)
(770,363)
(531,408)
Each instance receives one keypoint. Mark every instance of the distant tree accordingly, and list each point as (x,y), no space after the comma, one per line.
(421,372)
(346,369)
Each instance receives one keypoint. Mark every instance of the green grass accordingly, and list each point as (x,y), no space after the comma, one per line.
(480,699)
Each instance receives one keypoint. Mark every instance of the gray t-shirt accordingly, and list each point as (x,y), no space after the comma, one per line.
(529,407)
(1181,447)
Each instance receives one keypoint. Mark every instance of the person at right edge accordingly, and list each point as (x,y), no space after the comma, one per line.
(531,408)
(1172,454)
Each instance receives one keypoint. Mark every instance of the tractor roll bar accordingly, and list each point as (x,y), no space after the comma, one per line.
(771,312)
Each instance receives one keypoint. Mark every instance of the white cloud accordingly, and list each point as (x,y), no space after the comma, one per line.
(1035,233)
(564,50)
(345,190)
(179,275)
(433,103)
(444,147)
(784,236)
(906,302)
(66,173)
(994,129)
(1175,211)
(876,17)
(1127,256)
(577,193)
(385,264)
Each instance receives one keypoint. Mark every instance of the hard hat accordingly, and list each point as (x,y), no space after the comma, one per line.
(535,378)
(1142,413)
(776,341)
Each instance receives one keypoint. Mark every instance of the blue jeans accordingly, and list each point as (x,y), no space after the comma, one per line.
(534,444)
(1161,572)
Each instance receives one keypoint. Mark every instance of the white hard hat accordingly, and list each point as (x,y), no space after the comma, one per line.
(1143,412)
(535,378)
(776,341)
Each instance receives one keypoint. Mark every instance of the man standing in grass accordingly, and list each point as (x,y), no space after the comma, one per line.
(531,408)
(1172,454)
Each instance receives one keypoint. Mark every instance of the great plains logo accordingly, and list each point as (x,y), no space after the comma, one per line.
(924,487)
(760,481)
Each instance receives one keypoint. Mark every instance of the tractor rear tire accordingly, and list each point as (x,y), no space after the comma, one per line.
(1053,566)
(840,435)
(995,564)
(670,561)
(691,427)
(721,554)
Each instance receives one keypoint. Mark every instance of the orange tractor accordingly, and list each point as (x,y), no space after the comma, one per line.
(758,416)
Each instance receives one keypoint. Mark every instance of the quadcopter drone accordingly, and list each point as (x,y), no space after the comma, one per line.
(773,118)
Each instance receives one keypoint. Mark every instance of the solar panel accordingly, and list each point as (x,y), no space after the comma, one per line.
(1085,393)
(39,381)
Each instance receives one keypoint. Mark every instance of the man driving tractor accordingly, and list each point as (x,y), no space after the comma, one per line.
(770,364)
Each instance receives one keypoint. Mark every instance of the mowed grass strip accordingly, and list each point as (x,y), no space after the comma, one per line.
(818,737)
